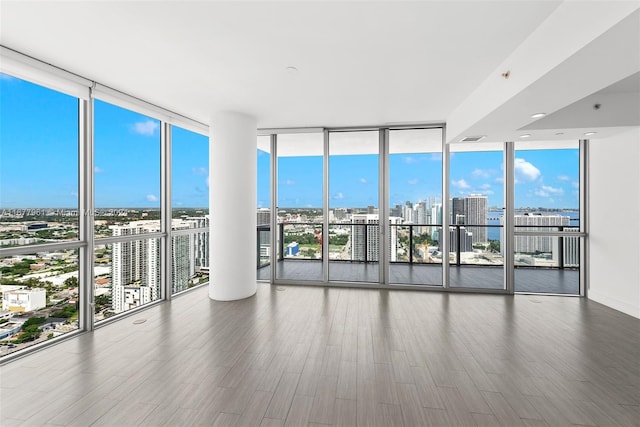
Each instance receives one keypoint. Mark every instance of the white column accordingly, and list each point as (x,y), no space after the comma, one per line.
(232,206)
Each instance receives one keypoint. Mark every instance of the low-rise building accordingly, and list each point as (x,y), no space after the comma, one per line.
(24,300)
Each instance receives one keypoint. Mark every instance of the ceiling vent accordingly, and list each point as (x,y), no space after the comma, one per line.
(472,138)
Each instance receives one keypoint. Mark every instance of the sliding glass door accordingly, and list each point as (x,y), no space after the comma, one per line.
(547,217)
(354,215)
(263,204)
(369,206)
(476,201)
(299,209)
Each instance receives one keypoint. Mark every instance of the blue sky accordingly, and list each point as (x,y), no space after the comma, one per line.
(39,153)
(39,162)
(543,178)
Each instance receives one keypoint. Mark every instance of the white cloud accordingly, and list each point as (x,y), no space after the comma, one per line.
(363,180)
(410,160)
(563,178)
(546,191)
(575,184)
(526,170)
(480,173)
(485,186)
(288,182)
(206,181)
(152,198)
(500,180)
(413,181)
(98,169)
(147,128)
(461,184)
(199,170)
(338,196)
(436,157)
(553,190)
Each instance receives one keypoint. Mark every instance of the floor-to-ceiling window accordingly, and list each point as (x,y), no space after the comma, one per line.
(415,206)
(190,209)
(263,204)
(354,214)
(299,207)
(476,205)
(88,179)
(39,214)
(547,217)
(127,265)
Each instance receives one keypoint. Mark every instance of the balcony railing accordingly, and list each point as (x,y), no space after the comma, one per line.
(547,246)
(420,244)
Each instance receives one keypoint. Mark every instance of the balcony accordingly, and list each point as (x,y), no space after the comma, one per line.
(416,258)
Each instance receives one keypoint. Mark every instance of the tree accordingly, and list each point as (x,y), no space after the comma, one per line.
(338,239)
(71,282)
(20,268)
(494,246)
(30,329)
(33,321)
(66,312)
(103,299)
(308,253)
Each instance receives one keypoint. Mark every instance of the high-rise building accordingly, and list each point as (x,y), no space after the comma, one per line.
(571,247)
(365,237)
(457,211)
(135,269)
(464,239)
(421,212)
(436,220)
(476,208)
(471,211)
(538,244)
(420,216)
(199,242)
(190,252)
(407,212)
(340,214)
(263,216)
(396,211)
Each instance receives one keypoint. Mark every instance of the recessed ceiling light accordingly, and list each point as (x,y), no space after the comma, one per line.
(538,115)
(590,133)
(526,135)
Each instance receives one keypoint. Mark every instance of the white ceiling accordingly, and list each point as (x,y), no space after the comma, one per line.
(359,62)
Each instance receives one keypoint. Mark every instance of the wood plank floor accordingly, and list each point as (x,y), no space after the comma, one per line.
(313,356)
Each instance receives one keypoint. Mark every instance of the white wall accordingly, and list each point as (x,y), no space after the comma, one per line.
(614,235)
